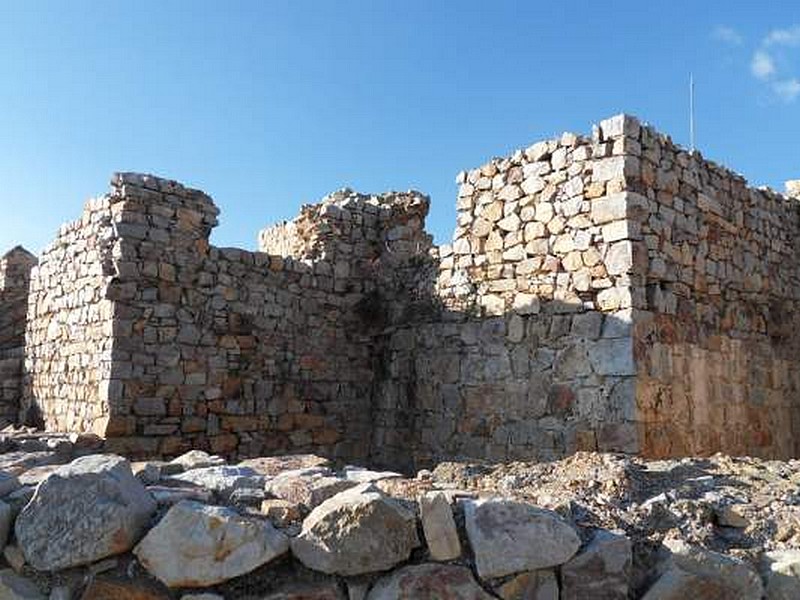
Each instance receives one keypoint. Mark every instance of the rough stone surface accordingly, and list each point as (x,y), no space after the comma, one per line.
(509,537)
(782,575)
(428,581)
(196,545)
(357,531)
(89,509)
(439,526)
(602,570)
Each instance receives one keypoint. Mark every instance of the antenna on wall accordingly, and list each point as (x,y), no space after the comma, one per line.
(691,112)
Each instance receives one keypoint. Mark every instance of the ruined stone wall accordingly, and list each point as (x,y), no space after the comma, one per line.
(15,269)
(530,354)
(716,339)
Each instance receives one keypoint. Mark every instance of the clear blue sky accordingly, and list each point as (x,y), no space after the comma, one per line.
(268,105)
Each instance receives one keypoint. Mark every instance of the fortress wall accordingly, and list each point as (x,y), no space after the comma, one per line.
(716,344)
(528,353)
(69,334)
(15,269)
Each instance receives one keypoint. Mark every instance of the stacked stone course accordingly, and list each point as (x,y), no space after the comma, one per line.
(611,292)
(15,269)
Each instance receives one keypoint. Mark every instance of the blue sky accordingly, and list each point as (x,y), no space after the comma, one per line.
(268,105)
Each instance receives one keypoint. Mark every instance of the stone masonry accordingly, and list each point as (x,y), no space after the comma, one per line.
(15,269)
(612,292)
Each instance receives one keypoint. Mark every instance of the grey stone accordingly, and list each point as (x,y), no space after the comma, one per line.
(602,570)
(221,479)
(89,509)
(509,537)
(196,545)
(356,531)
(533,585)
(782,575)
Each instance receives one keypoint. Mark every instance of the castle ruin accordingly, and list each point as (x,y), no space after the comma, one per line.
(612,292)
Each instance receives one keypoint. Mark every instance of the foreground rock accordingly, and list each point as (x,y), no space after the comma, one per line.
(440,530)
(196,545)
(428,581)
(357,531)
(694,572)
(509,537)
(782,574)
(601,570)
(87,510)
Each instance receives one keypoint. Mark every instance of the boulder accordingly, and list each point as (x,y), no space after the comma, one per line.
(533,585)
(89,509)
(430,580)
(356,531)
(694,572)
(8,483)
(307,591)
(602,570)
(439,526)
(282,513)
(196,545)
(782,574)
(6,519)
(509,537)
(16,587)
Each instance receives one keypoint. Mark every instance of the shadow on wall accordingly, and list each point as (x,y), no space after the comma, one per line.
(534,383)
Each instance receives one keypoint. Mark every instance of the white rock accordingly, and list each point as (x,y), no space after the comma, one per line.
(87,510)
(782,575)
(439,527)
(222,479)
(196,545)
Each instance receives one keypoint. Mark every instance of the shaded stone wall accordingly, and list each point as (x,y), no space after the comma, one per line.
(716,339)
(15,269)
(530,353)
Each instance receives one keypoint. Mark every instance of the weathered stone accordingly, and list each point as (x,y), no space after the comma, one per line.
(699,573)
(270,466)
(439,526)
(282,513)
(89,509)
(602,570)
(196,545)
(309,490)
(428,581)
(509,537)
(197,459)
(356,531)
(360,475)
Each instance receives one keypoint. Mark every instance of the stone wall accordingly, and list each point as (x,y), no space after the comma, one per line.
(15,269)
(166,343)
(530,355)
(610,292)
(716,337)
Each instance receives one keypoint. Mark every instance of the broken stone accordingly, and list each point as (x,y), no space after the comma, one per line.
(601,570)
(428,581)
(439,526)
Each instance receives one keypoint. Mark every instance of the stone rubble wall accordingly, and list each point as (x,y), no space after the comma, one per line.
(716,337)
(15,269)
(79,523)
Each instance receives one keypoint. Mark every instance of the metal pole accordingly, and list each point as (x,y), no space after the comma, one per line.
(691,112)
